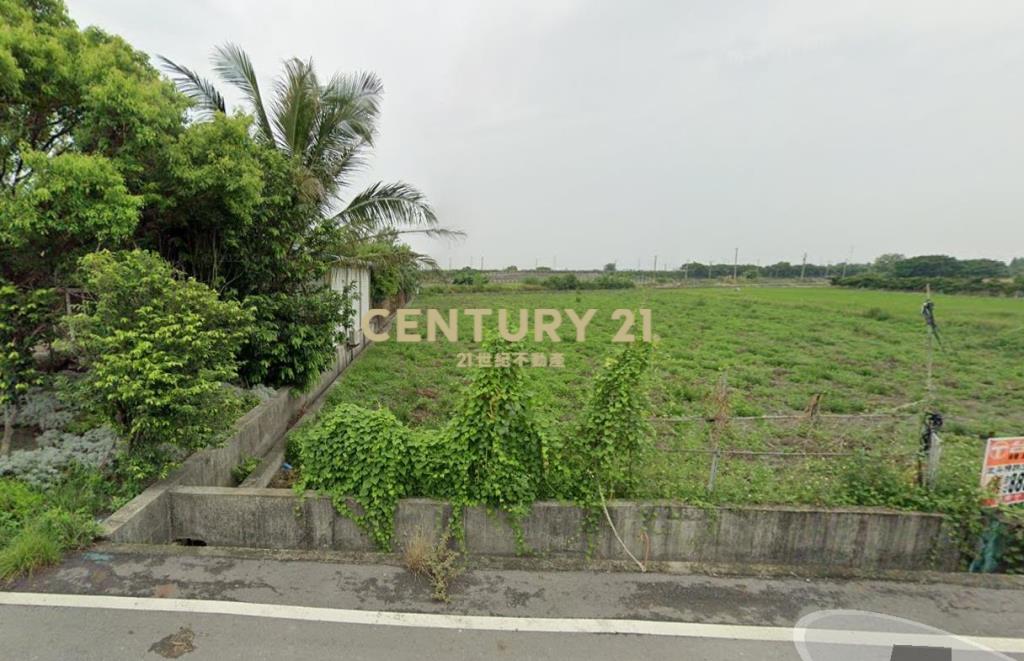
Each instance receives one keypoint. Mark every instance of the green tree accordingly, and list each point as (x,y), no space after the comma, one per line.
(158,347)
(984,268)
(927,266)
(887,262)
(84,120)
(25,322)
(326,128)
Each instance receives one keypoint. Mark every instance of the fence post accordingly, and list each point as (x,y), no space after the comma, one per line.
(931,450)
(931,475)
(714,470)
(720,421)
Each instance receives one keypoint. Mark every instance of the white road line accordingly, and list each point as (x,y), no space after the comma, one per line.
(490,623)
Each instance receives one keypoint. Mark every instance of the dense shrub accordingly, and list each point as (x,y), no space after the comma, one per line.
(469,276)
(158,348)
(293,338)
(493,452)
(56,452)
(561,282)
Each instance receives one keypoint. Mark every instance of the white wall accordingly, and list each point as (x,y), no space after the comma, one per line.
(338,278)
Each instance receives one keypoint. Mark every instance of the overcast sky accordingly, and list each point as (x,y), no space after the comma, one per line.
(598,131)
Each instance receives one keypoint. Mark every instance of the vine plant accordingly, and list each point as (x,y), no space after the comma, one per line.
(493,452)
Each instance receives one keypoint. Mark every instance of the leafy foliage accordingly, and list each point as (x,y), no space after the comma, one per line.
(293,337)
(362,454)
(25,322)
(495,437)
(941,284)
(615,433)
(83,127)
(37,525)
(158,347)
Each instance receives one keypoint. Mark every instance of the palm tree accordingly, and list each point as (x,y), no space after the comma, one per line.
(327,130)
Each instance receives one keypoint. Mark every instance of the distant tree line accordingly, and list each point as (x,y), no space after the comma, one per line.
(941,273)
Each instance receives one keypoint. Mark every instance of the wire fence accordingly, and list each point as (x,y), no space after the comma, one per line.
(785,447)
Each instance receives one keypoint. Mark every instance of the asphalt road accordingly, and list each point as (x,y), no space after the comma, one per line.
(117,605)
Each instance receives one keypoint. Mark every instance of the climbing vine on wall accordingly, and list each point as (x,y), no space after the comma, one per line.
(493,452)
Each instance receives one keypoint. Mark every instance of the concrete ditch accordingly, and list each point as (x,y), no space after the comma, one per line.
(256,434)
(198,504)
(863,538)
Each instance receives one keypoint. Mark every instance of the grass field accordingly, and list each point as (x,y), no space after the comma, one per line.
(862,351)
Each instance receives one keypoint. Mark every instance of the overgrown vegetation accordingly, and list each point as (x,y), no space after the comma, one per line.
(157,348)
(859,352)
(159,257)
(38,524)
(491,453)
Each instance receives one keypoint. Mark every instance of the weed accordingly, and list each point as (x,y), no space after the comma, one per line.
(437,561)
(244,469)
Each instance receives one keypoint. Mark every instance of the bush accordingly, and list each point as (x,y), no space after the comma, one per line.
(615,432)
(468,276)
(495,438)
(294,337)
(355,452)
(57,452)
(611,281)
(561,282)
(158,347)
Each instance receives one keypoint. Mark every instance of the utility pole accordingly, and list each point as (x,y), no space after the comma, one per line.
(848,258)
(655,265)
(803,267)
(735,262)
(710,262)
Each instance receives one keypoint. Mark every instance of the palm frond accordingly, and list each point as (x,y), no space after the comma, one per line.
(387,206)
(296,106)
(205,97)
(345,127)
(431,232)
(233,65)
(352,104)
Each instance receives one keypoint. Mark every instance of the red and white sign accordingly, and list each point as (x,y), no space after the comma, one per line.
(1003,470)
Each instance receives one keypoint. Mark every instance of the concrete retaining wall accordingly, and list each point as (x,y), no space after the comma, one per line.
(145,519)
(868,539)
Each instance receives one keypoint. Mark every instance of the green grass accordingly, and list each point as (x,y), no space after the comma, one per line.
(37,526)
(863,351)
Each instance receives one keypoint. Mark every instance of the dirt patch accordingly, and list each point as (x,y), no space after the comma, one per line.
(284,478)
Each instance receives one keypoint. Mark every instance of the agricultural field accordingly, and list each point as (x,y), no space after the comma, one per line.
(774,349)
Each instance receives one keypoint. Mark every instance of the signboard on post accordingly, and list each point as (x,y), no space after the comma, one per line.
(1003,471)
